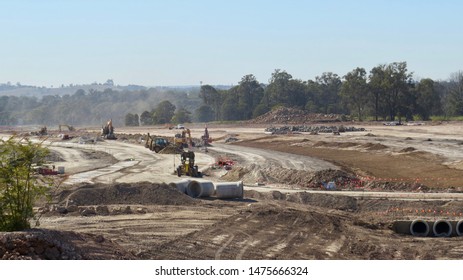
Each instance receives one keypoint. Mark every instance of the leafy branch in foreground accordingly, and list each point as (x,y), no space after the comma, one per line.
(19,188)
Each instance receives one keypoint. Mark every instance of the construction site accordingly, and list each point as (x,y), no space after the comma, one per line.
(315,188)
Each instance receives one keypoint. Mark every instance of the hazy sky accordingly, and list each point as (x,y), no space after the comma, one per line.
(172,42)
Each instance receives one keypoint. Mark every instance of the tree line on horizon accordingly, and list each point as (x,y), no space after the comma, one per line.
(386,92)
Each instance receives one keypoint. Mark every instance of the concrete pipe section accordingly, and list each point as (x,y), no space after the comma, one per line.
(459,228)
(442,228)
(229,190)
(200,189)
(181,185)
(419,228)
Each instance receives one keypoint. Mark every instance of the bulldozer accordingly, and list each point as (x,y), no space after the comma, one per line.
(155,144)
(187,166)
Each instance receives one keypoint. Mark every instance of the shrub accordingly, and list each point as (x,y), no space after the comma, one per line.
(18,186)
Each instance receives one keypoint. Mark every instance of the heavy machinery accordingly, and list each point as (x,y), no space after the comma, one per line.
(155,144)
(183,140)
(108,131)
(187,166)
(206,139)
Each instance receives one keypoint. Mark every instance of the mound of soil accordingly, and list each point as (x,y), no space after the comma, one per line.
(374,146)
(253,174)
(54,156)
(335,144)
(144,193)
(43,244)
(407,150)
(283,115)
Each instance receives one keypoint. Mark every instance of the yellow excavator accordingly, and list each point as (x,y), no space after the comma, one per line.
(183,140)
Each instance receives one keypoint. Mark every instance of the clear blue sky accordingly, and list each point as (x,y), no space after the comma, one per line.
(173,42)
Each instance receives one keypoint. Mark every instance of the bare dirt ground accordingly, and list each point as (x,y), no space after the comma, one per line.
(117,192)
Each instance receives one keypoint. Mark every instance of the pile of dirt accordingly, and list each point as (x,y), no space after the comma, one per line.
(408,150)
(374,146)
(283,115)
(43,244)
(254,173)
(54,156)
(341,179)
(335,144)
(143,193)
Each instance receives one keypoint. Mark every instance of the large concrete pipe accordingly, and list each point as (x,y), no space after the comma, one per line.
(181,185)
(459,228)
(419,228)
(200,189)
(442,228)
(229,189)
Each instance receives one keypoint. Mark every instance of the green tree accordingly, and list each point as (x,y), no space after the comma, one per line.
(204,114)
(327,96)
(182,115)
(377,90)
(19,188)
(229,110)
(455,89)
(284,90)
(250,93)
(396,85)
(428,99)
(146,118)
(354,91)
(131,120)
(213,98)
(164,112)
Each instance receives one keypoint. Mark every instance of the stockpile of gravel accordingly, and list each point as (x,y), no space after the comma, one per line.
(284,115)
(312,129)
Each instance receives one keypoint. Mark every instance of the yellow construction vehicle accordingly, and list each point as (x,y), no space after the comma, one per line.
(187,166)
(183,140)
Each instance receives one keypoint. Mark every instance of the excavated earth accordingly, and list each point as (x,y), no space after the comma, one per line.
(132,213)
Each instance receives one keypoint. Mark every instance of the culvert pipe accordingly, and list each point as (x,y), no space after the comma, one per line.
(442,228)
(181,185)
(200,189)
(459,228)
(419,228)
(229,189)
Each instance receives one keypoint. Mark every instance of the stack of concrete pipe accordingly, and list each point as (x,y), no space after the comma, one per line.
(422,228)
(196,188)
